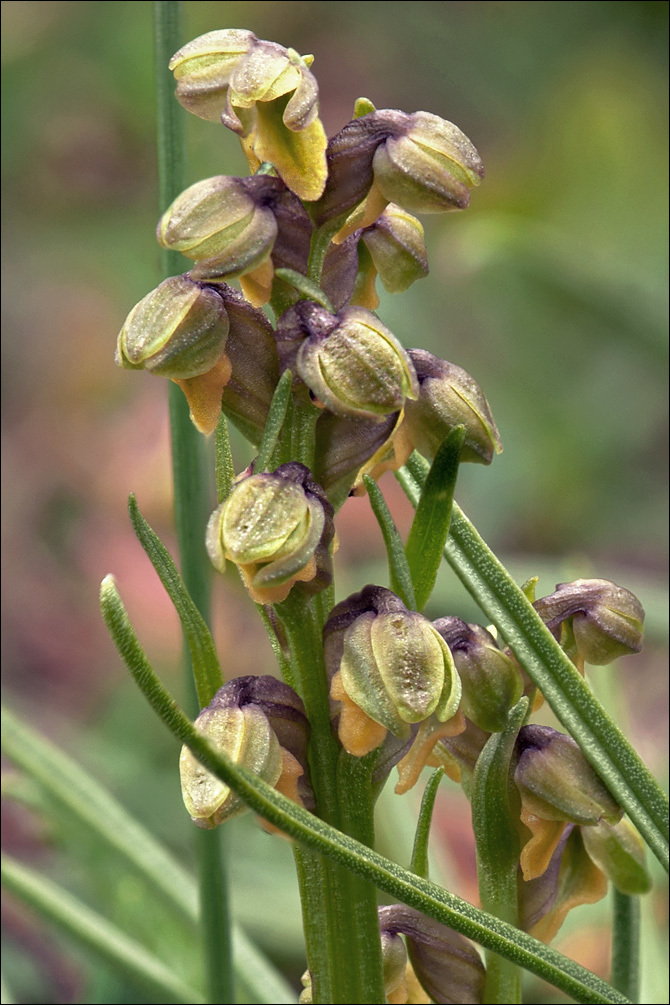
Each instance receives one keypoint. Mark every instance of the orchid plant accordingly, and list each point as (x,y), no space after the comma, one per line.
(299,362)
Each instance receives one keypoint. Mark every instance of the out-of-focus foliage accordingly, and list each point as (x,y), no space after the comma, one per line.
(550,291)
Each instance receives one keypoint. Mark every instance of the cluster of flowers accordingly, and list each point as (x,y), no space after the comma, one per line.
(431,693)
(308,232)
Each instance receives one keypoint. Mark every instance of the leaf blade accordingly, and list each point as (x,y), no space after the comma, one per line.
(206,666)
(400,577)
(96,933)
(430,526)
(274,421)
(419,863)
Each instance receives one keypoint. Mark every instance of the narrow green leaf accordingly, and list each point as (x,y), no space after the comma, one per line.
(274,421)
(206,667)
(419,863)
(307,289)
(567,693)
(283,663)
(224,468)
(91,930)
(430,526)
(83,796)
(316,834)
(87,800)
(399,573)
(304,416)
(495,814)
(626,945)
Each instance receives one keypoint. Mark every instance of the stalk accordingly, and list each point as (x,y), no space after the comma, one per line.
(626,945)
(339,909)
(190,503)
(494,815)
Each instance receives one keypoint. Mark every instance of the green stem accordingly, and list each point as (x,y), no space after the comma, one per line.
(190,496)
(626,945)
(568,694)
(339,910)
(91,930)
(495,811)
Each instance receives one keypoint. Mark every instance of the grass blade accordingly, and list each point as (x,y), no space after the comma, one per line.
(430,526)
(83,796)
(494,821)
(90,929)
(206,667)
(626,945)
(419,863)
(223,464)
(274,422)
(400,577)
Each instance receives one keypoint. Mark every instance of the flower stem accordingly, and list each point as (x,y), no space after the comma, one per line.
(339,909)
(190,501)
(494,813)
(626,945)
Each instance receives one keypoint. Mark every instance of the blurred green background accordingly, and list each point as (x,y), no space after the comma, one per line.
(550,290)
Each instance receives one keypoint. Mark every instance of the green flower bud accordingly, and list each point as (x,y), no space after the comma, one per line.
(286,714)
(491,681)
(180,331)
(177,330)
(606,619)
(447,965)
(397,249)
(429,167)
(224,224)
(392,663)
(619,851)
(448,397)
(556,781)
(203,69)
(350,361)
(420,162)
(246,737)
(277,528)
(394,965)
(263,92)
(260,723)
